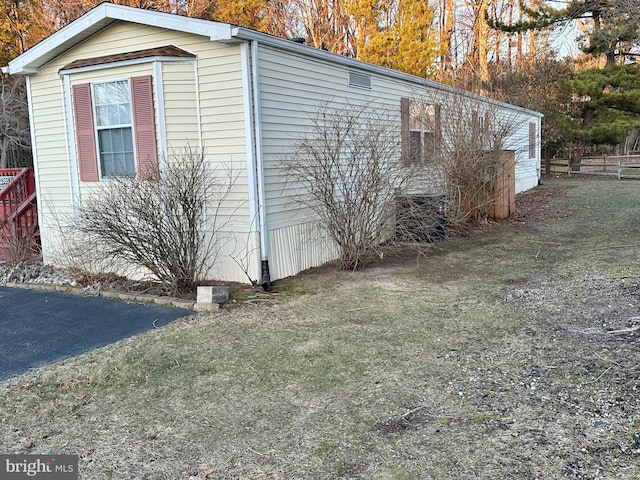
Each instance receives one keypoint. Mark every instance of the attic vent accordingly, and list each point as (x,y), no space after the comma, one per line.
(359,80)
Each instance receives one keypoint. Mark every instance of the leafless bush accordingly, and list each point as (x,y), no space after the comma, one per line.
(470,156)
(347,171)
(161,223)
(19,245)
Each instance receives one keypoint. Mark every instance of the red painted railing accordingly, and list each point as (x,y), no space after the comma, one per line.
(18,210)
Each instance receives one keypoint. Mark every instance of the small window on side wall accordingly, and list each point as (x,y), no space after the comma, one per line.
(420,131)
(532,140)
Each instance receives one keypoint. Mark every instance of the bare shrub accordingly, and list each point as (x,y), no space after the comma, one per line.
(346,169)
(160,223)
(19,244)
(473,136)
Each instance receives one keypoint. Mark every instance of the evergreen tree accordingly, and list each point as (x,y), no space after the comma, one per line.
(408,43)
(608,101)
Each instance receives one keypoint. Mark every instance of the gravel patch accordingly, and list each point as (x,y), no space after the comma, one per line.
(34,272)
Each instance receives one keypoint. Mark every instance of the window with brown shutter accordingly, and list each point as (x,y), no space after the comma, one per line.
(421,131)
(108,117)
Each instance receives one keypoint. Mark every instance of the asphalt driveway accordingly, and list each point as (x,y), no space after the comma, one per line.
(39,327)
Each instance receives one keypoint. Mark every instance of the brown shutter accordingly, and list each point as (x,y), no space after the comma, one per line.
(532,140)
(85,132)
(144,125)
(405,137)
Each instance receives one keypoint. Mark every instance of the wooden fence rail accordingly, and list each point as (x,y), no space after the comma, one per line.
(619,166)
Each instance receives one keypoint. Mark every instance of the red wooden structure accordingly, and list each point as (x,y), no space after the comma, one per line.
(19,231)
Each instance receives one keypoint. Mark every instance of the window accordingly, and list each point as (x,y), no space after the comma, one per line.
(420,134)
(481,131)
(421,131)
(115,128)
(112,104)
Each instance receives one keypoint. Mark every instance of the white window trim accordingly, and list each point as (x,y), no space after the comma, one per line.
(96,128)
(424,130)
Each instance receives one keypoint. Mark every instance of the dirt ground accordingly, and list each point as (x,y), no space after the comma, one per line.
(509,352)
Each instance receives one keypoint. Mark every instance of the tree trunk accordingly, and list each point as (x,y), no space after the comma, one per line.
(447,24)
(4,158)
(480,40)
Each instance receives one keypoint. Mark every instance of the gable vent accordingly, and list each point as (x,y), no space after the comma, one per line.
(359,80)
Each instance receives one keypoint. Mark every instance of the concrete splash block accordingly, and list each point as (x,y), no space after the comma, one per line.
(213,294)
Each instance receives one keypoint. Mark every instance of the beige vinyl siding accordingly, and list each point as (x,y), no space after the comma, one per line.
(291,88)
(180,106)
(50,150)
(222,126)
(527,170)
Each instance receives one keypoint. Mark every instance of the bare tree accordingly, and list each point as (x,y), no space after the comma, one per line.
(15,139)
(347,170)
(158,223)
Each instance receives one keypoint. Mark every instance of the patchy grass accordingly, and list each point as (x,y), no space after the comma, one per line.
(513,354)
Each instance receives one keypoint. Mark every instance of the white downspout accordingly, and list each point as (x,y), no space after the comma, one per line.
(262,204)
(253,140)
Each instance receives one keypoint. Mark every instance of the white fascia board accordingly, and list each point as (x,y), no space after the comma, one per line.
(214,30)
(102,16)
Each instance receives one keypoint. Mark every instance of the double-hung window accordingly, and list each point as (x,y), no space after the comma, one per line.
(421,131)
(421,134)
(114,126)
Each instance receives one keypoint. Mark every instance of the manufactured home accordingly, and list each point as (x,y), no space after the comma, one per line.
(121,88)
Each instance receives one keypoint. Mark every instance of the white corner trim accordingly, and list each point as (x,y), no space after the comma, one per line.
(34,154)
(262,201)
(196,75)
(72,153)
(161,126)
(249,136)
